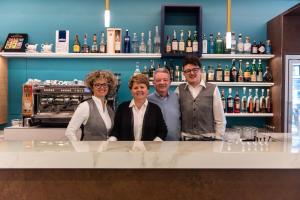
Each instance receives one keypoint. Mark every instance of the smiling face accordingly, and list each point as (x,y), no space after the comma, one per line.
(100,88)
(192,74)
(139,91)
(162,83)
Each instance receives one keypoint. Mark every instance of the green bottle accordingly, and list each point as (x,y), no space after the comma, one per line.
(219,49)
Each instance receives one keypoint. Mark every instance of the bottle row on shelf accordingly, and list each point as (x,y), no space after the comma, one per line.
(217,45)
(232,74)
(113,42)
(246,104)
(238,74)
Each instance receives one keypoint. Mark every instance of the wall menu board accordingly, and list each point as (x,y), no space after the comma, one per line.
(15,42)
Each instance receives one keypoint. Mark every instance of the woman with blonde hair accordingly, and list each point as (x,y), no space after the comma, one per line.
(138,119)
(94,115)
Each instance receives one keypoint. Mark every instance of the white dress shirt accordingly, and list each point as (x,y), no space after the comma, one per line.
(81,115)
(138,118)
(218,112)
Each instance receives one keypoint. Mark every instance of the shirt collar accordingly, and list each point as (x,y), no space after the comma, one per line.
(98,101)
(202,83)
(158,95)
(132,104)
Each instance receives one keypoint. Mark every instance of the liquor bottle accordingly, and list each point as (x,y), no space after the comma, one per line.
(254,48)
(145,71)
(76,45)
(210,73)
(223,99)
(268,102)
(171,69)
(261,48)
(229,102)
(240,44)
(219,44)
(262,102)
(253,72)
(156,41)
(149,43)
(267,77)
(226,51)
(135,43)
(250,102)
(244,101)
(151,71)
(85,47)
(237,103)
(240,74)
(182,75)
(233,43)
(195,43)
(174,43)
(189,45)
(177,74)
(247,45)
(219,73)
(226,74)
(268,47)
(211,44)
(181,43)
(102,45)
(127,42)
(256,102)
(142,46)
(259,72)
(203,74)
(247,73)
(204,44)
(137,69)
(94,45)
(117,43)
(233,72)
(168,45)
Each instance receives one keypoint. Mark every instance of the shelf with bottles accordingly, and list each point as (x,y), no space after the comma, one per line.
(232,84)
(237,56)
(249,114)
(80,55)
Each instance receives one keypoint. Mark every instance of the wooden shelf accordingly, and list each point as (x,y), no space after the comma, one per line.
(249,114)
(233,84)
(237,56)
(80,55)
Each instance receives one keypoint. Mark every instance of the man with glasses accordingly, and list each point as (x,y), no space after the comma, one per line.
(201,107)
(168,103)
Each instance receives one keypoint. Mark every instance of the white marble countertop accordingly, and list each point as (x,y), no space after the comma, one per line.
(193,155)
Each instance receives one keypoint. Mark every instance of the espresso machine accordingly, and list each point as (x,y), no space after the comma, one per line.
(51,103)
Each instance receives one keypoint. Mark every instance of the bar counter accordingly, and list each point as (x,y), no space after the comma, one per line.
(150,170)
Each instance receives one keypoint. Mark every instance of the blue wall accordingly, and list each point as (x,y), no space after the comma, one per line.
(40,19)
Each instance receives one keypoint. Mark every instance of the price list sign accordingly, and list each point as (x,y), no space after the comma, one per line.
(15,42)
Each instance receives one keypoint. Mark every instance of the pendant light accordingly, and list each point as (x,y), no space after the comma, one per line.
(228,33)
(106,14)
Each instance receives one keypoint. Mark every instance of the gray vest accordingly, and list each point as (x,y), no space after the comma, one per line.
(95,128)
(197,114)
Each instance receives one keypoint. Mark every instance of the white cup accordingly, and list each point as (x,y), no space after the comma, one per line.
(46,48)
(31,47)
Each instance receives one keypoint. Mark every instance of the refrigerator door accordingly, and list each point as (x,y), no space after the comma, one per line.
(292,94)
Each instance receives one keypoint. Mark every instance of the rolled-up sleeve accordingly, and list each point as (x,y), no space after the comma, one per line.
(219,116)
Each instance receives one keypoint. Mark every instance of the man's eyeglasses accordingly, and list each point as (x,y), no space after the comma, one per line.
(99,85)
(195,70)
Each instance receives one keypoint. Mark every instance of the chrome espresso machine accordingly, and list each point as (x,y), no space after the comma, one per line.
(51,103)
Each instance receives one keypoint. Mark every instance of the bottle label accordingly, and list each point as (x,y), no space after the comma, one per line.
(210,77)
(227,76)
(240,47)
(181,46)
(223,103)
(253,77)
(168,48)
(76,48)
(195,46)
(204,46)
(260,76)
(246,75)
(247,47)
(189,49)
(219,76)
(237,105)
(254,49)
(175,46)
(230,103)
(261,49)
(117,46)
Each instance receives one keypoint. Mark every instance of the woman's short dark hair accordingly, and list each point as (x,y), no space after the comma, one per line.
(140,79)
(193,60)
